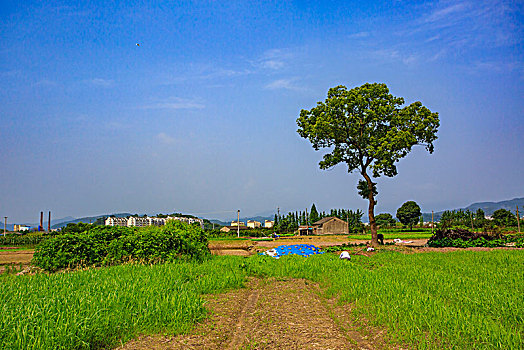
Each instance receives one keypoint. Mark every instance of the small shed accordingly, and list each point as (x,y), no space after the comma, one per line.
(232,228)
(330,225)
(305,230)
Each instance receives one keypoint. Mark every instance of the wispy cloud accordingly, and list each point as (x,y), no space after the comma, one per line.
(456,28)
(204,72)
(45,83)
(396,55)
(483,23)
(285,84)
(99,82)
(360,35)
(447,13)
(174,103)
(165,138)
(274,59)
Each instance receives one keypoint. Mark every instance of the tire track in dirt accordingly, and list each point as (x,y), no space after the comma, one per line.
(272,314)
(240,331)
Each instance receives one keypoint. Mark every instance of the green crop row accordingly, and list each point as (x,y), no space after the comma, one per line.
(402,235)
(21,240)
(516,241)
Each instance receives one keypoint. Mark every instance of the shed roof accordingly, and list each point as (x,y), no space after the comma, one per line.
(326,219)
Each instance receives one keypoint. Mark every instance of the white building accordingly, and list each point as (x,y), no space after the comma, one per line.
(137,221)
(112,221)
(269,224)
(253,224)
(149,221)
(156,221)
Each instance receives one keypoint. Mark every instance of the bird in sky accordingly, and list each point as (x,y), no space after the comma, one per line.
(137,44)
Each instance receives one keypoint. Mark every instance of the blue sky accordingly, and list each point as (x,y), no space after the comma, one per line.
(201,116)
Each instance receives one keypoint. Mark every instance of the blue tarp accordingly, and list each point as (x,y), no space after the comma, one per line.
(297,249)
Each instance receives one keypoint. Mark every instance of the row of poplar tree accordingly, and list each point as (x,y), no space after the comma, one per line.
(500,217)
(291,221)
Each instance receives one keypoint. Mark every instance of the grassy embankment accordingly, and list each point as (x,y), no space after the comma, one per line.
(464,299)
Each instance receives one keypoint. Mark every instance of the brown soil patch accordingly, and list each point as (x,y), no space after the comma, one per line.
(239,252)
(271,314)
(17,257)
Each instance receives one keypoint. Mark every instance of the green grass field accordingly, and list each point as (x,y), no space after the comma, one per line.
(96,308)
(462,299)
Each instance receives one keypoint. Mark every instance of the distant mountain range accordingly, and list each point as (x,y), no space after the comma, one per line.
(487,207)
(88,219)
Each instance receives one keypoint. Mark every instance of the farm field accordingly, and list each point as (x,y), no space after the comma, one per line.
(461,299)
(16,258)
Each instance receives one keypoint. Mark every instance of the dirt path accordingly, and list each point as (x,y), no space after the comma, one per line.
(270,314)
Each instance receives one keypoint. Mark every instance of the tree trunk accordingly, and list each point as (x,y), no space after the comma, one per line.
(371,211)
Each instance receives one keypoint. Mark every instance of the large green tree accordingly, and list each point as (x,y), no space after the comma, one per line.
(503,217)
(368,129)
(313,216)
(408,214)
(385,220)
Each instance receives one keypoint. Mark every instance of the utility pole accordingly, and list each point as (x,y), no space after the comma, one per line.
(278,217)
(238,223)
(518,218)
(5,224)
(432,223)
(471,217)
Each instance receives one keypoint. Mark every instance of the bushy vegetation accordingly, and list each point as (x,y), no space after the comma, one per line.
(477,220)
(461,238)
(107,245)
(15,239)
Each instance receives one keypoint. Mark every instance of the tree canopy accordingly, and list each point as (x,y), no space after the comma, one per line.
(409,213)
(367,129)
(385,220)
(313,215)
(503,217)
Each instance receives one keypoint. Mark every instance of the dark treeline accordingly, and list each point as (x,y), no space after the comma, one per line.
(292,220)
(501,218)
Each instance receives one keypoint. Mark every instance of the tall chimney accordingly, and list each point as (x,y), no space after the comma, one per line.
(41,228)
(49,223)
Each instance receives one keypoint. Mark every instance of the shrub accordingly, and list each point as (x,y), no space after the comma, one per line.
(113,245)
(66,251)
(145,246)
(461,238)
